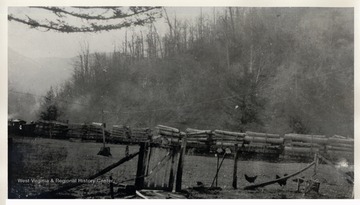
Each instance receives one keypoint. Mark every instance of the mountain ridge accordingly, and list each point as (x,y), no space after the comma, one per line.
(26,74)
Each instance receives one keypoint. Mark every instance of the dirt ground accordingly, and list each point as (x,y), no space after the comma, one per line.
(34,162)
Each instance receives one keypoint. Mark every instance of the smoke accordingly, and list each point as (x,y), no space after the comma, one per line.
(34,108)
(342,163)
(79,103)
(13,115)
(27,112)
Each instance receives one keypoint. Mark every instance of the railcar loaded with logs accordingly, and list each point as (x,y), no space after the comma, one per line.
(51,129)
(127,135)
(249,143)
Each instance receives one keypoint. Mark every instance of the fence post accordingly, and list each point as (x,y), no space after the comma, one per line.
(111,187)
(316,163)
(50,130)
(180,164)
(140,173)
(217,167)
(234,184)
(127,150)
(171,177)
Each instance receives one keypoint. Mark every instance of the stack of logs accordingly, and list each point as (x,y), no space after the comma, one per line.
(29,129)
(198,137)
(141,134)
(76,130)
(304,145)
(52,129)
(226,138)
(338,145)
(170,134)
(93,131)
(120,132)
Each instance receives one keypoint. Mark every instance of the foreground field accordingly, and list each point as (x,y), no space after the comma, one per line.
(39,165)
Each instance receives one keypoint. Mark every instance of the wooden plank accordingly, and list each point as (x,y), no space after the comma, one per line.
(141,195)
(155,179)
(166,175)
(148,157)
(102,172)
(251,187)
(171,173)
(140,173)
(158,194)
(180,165)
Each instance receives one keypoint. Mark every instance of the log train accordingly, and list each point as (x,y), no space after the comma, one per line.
(201,141)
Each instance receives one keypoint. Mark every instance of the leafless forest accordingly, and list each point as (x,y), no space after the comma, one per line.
(264,69)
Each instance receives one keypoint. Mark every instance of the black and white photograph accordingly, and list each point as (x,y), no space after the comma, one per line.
(172,102)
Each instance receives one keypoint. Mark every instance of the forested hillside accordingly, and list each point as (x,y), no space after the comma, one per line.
(262,69)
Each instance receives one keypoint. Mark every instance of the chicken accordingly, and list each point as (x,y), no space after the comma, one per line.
(220,151)
(350,174)
(350,177)
(250,179)
(283,181)
(199,184)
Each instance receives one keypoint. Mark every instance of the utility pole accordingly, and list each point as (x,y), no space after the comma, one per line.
(103,126)
(104,151)
(296,84)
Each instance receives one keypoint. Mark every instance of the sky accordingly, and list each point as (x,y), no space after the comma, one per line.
(36,44)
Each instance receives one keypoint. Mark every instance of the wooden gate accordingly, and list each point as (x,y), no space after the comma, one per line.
(160,166)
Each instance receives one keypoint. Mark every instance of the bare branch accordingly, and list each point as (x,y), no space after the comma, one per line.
(93,23)
(117,13)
